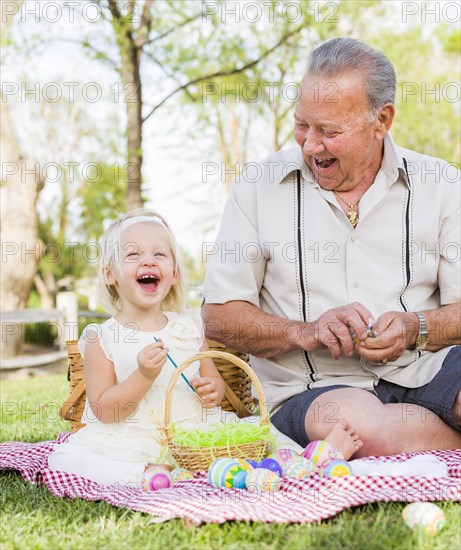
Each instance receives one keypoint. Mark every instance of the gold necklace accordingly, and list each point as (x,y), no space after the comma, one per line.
(352,214)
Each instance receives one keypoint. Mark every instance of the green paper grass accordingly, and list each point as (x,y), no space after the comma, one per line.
(222,435)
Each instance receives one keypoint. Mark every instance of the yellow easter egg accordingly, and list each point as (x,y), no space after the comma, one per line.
(425,516)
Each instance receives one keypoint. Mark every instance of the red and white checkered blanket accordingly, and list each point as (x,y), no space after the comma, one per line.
(198,501)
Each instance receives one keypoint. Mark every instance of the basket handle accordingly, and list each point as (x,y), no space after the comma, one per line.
(217,355)
(73,398)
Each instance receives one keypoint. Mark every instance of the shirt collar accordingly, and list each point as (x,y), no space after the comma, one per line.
(392,164)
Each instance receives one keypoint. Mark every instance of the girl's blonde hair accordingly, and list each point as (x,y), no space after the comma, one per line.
(110,253)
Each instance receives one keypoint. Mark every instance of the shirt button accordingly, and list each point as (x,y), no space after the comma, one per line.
(353,239)
(355,284)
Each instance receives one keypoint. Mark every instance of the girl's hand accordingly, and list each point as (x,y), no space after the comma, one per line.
(151,360)
(208,390)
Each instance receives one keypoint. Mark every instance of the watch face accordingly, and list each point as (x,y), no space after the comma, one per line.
(421,340)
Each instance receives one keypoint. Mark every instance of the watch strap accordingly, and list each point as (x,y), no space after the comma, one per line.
(423,335)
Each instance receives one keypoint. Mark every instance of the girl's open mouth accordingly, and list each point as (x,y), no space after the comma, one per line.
(148,282)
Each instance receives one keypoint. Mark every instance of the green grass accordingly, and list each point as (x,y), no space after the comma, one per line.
(31,518)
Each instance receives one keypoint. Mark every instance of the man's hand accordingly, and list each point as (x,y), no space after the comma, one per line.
(336,327)
(395,332)
(207,389)
(151,360)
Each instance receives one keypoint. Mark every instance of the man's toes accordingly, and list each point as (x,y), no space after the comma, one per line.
(343,424)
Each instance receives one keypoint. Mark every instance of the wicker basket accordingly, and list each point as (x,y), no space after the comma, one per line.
(200,459)
(238,397)
(72,409)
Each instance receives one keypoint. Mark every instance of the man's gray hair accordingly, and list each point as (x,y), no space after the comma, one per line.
(341,55)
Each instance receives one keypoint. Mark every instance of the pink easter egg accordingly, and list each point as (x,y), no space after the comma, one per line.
(282,455)
(321,453)
(155,478)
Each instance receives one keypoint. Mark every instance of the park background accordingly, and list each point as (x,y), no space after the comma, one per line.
(108,105)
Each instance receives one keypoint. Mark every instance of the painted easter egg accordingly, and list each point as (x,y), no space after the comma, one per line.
(155,478)
(336,468)
(181,474)
(252,463)
(298,467)
(227,472)
(425,516)
(246,464)
(282,455)
(270,464)
(261,480)
(321,452)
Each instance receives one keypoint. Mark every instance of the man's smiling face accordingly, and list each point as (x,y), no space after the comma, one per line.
(339,143)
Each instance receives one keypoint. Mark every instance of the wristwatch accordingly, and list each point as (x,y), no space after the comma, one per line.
(423,335)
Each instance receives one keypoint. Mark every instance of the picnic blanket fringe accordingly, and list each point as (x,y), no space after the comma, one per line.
(298,501)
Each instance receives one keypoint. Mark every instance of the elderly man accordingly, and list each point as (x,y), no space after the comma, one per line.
(337,267)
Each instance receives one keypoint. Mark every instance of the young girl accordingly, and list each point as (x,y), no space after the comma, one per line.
(128,360)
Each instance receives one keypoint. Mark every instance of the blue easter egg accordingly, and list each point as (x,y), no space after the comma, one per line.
(239,479)
(336,468)
(270,464)
(252,463)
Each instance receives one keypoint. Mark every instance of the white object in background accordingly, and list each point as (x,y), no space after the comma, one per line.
(421,465)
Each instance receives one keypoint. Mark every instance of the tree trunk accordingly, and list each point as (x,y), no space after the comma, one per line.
(133,97)
(130,56)
(21,249)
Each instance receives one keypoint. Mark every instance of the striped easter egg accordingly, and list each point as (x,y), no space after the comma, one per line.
(321,453)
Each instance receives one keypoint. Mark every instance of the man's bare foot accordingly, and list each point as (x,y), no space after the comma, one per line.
(344,439)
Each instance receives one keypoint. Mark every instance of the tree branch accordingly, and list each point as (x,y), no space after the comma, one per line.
(146,16)
(130,9)
(145,25)
(173,29)
(172,76)
(113,8)
(223,73)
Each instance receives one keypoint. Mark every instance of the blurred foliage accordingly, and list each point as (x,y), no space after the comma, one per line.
(427,119)
(449,38)
(238,110)
(103,199)
(43,334)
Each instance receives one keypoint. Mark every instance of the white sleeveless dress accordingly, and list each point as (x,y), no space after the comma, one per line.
(118,452)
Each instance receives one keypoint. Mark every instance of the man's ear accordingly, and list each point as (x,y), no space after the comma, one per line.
(384,120)
(109,278)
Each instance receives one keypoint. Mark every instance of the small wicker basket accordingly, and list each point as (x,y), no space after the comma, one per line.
(238,397)
(200,459)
